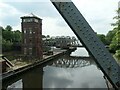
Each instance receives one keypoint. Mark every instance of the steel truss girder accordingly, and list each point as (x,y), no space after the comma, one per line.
(89,39)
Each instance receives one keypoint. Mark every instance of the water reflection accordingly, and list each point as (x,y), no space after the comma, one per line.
(73,62)
(80,52)
(64,72)
(30,79)
(62,78)
(18,84)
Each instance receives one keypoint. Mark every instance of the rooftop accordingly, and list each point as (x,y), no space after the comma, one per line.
(30,15)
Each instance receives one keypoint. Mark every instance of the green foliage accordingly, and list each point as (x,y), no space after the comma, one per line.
(102,37)
(110,36)
(6,45)
(48,36)
(8,28)
(10,38)
(43,36)
(115,37)
(115,43)
(117,54)
(115,40)
(112,39)
(17,36)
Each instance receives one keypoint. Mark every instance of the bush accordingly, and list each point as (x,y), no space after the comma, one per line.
(6,45)
(112,48)
(117,54)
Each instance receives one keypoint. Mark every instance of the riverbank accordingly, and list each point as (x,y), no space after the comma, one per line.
(17,69)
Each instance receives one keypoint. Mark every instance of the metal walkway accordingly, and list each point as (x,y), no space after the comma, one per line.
(89,39)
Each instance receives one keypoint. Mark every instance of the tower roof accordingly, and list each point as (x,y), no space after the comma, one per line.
(31,15)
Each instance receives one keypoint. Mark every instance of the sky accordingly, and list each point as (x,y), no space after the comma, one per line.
(98,13)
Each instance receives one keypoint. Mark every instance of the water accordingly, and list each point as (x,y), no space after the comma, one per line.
(67,71)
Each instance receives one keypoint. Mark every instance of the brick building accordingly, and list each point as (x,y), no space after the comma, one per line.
(32,36)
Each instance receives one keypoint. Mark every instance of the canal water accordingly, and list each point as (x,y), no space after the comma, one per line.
(76,70)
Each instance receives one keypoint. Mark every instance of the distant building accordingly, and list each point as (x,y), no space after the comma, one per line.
(32,36)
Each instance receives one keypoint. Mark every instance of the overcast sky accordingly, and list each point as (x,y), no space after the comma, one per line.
(98,13)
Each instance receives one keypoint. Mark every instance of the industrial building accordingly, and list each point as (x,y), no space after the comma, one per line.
(32,36)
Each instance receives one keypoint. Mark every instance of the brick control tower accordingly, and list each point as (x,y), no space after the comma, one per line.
(32,36)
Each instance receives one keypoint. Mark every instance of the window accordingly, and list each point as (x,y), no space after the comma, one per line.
(25,51)
(24,30)
(30,30)
(34,32)
(25,41)
(24,20)
(36,20)
(28,20)
(30,51)
(30,41)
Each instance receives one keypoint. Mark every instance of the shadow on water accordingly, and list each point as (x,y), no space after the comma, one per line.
(64,72)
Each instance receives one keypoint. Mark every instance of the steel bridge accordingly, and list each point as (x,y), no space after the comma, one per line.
(62,42)
(89,39)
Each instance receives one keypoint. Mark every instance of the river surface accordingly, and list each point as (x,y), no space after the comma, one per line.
(68,71)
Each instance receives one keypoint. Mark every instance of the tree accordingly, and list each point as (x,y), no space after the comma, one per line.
(6,45)
(110,36)
(8,28)
(10,39)
(43,36)
(115,42)
(117,54)
(17,36)
(7,33)
(102,38)
(48,36)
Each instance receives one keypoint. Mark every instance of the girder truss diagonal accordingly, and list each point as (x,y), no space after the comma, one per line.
(89,39)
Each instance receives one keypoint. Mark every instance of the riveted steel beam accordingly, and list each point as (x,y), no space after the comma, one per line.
(89,39)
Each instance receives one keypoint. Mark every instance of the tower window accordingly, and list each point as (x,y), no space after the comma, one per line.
(24,20)
(36,20)
(27,20)
(34,32)
(24,30)
(30,51)
(25,41)
(30,31)
(25,51)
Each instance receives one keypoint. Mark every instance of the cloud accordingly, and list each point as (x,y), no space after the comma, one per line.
(53,23)
(25,0)
(98,13)
(43,9)
(17,27)
(51,27)
(56,78)
(93,80)
(9,15)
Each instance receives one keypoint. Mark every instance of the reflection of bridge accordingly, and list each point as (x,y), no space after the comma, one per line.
(62,42)
(73,62)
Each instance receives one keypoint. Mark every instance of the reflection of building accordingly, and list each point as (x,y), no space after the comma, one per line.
(32,36)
